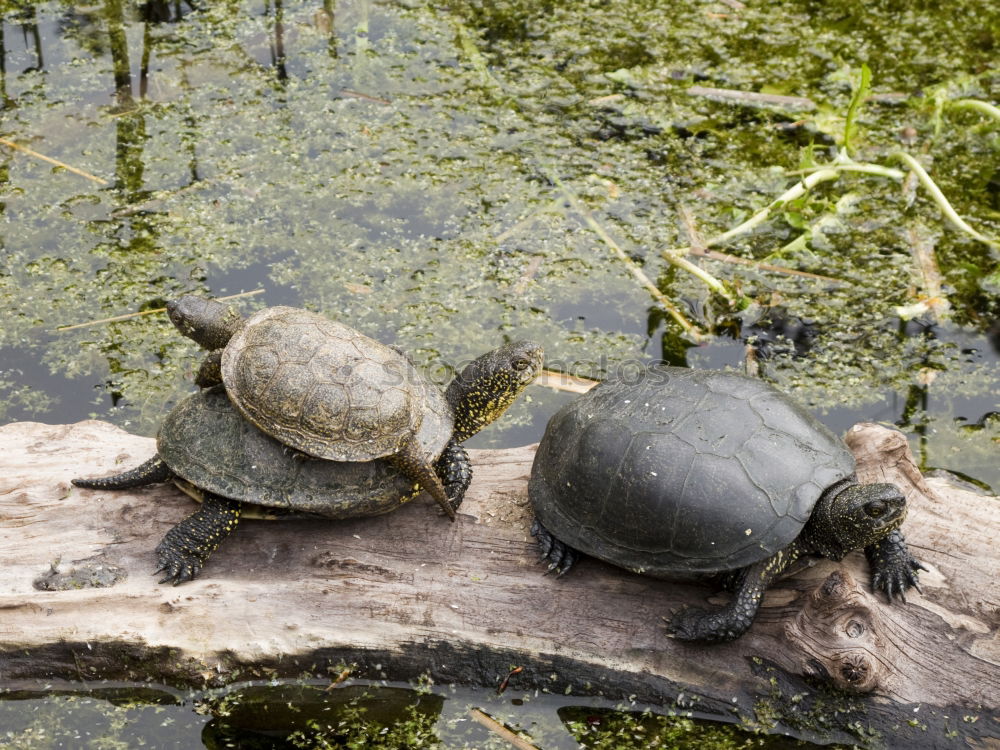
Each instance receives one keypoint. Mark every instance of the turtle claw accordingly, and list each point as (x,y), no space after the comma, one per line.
(180,565)
(561,557)
(894,569)
(690,624)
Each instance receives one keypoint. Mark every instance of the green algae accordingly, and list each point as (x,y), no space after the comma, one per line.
(402,183)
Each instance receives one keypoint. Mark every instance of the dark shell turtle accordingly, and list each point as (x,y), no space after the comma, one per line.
(216,455)
(207,444)
(682,473)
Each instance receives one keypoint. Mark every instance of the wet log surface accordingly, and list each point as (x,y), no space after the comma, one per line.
(409,593)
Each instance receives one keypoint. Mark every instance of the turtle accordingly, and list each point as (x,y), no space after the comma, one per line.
(324,388)
(213,453)
(687,475)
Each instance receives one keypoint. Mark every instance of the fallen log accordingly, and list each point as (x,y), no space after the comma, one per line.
(408,593)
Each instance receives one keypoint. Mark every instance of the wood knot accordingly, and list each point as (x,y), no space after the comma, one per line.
(838,633)
(837,587)
(855,672)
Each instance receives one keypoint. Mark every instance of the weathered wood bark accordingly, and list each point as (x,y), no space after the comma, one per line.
(464,601)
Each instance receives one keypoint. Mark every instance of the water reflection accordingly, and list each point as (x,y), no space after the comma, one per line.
(296,716)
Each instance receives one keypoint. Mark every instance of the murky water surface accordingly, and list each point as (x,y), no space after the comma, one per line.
(282,715)
(440,177)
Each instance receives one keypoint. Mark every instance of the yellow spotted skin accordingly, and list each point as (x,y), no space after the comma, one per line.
(187,546)
(485,389)
(735,618)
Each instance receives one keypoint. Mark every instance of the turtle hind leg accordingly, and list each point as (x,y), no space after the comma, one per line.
(150,472)
(187,546)
(455,472)
(733,620)
(560,556)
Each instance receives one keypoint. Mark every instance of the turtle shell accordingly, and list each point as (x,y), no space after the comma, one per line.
(680,472)
(206,441)
(328,390)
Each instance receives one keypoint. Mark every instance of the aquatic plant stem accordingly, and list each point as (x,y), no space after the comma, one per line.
(976,106)
(939,198)
(630,264)
(796,191)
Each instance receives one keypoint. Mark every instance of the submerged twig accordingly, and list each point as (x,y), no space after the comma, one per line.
(726,258)
(500,730)
(50,160)
(752,97)
(526,222)
(116,318)
(361,95)
(527,275)
(932,298)
(677,258)
(163,195)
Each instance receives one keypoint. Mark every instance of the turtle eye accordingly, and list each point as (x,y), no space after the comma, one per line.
(522,364)
(876,509)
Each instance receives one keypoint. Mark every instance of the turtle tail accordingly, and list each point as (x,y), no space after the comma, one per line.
(152,471)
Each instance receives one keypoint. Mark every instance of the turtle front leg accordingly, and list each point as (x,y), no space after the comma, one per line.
(894,569)
(412,464)
(454,469)
(187,546)
(733,620)
(210,372)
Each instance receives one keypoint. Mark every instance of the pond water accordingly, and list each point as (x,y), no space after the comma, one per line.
(284,715)
(445,177)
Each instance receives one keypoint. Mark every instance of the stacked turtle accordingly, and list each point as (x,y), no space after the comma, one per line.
(303,415)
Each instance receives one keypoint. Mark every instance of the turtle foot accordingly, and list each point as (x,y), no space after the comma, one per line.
(185,548)
(178,558)
(455,471)
(894,569)
(560,557)
(689,624)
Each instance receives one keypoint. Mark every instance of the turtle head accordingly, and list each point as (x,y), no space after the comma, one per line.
(855,517)
(484,389)
(208,322)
